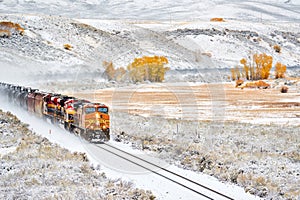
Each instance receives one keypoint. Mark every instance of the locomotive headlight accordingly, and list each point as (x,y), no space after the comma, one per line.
(97,115)
(104,127)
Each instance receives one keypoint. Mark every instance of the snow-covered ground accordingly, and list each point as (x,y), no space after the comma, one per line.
(115,168)
(32,167)
(197,49)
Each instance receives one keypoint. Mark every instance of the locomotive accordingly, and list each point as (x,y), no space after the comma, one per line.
(81,117)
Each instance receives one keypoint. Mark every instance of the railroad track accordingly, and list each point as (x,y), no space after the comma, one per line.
(193,186)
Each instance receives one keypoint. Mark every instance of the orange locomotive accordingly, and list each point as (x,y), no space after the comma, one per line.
(89,120)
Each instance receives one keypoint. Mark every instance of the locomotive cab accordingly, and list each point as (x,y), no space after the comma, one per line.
(94,119)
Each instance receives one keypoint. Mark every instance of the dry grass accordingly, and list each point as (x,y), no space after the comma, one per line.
(247,154)
(280,70)
(5,25)
(208,54)
(5,33)
(37,164)
(217,19)
(277,48)
(260,181)
(238,82)
(255,84)
(238,156)
(68,47)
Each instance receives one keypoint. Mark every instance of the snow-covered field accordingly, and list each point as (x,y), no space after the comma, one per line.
(33,167)
(198,51)
(111,178)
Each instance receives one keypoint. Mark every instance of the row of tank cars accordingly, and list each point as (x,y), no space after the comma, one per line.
(89,120)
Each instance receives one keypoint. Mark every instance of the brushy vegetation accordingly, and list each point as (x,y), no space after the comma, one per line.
(68,46)
(263,66)
(264,159)
(111,73)
(280,70)
(258,69)
(252,84)
(284,89)
(217,19)
(5,33)
(277,48)
(7,28)
(36,168)
(141,69)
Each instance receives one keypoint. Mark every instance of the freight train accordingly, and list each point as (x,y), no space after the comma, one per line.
(89,120)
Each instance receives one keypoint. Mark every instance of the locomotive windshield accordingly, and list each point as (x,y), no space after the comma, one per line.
(103,110)
(89,110)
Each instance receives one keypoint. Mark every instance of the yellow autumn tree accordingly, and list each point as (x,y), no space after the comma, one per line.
(246,71)
(141,69)
(148,68)
(280,70)
(259,70)
(109,70)
(233,74)
(263,66)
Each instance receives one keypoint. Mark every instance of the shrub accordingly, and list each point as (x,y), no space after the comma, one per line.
(277,48)
(284,89)
(255,84)
(109,70)
(261,69)
(238,83)
(235,73)
(263,65)
(280,70)
(119,74)
(208,54)
(217,19)
(247,73)
(260,181)
(68,46)
(262,84)
(5,33)
(11,27)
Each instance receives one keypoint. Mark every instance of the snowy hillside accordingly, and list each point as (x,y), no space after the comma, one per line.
(180,31)
(263,159)
(190,47)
